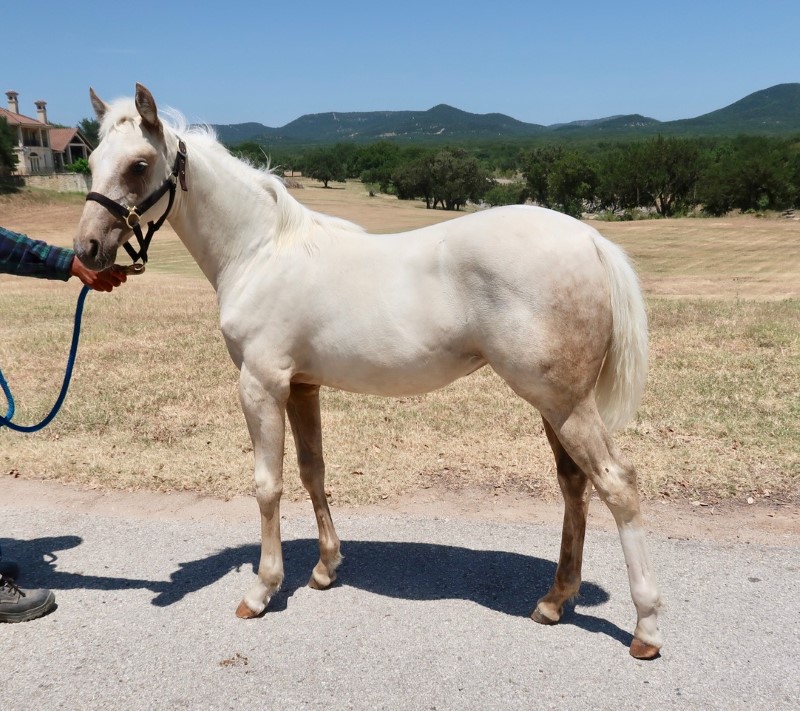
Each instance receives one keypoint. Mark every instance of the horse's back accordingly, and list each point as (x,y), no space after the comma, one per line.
(528,249)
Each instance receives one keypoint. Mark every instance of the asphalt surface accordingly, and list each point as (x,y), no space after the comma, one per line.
(428,613)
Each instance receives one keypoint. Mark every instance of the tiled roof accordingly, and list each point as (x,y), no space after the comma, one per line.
(20,120)
(60,138)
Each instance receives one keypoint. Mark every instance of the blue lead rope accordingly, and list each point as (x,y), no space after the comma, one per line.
(73,350)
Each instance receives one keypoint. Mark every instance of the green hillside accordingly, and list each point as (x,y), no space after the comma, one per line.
(773,111)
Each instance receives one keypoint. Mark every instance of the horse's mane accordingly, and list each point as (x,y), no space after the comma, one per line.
(295,223)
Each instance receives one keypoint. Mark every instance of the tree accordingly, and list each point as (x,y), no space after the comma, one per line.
(669,169)
(562,179)
(749,173)
(514,193)
(325,164)
(760,175)
(619,181)
(536,168)
(571,183)
(8,158)
(90,128)
(376,162)
(714,189)
(457,178)
(413,179)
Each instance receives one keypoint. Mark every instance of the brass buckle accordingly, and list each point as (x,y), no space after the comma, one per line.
(133,217)
(129,269)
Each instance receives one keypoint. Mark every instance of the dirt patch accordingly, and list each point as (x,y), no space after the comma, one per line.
(760,523)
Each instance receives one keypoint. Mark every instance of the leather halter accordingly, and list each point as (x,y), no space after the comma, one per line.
(132,215)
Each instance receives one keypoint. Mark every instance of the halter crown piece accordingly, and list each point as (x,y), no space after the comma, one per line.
(132,215)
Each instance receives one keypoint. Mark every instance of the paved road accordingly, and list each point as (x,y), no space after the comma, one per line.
(428,614)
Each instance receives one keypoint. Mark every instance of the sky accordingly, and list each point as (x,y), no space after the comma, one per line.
(271,62)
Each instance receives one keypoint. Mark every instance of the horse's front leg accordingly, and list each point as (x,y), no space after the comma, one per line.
(304,417)
(264,405)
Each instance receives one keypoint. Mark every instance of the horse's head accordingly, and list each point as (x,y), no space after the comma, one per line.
(130,164)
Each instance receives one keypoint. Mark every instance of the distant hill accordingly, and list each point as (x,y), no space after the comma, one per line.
(442,122)
(771,111)
(631,123)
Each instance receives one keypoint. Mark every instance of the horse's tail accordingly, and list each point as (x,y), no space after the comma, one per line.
(621,382)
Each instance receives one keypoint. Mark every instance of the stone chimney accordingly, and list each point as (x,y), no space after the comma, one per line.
(41,111)
(13,103)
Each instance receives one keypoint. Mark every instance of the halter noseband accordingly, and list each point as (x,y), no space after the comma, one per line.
(132,215)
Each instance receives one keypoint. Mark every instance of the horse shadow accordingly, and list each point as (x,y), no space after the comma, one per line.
(508,583)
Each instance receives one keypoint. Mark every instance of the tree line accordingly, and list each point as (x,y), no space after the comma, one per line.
(662,175)
(666,176)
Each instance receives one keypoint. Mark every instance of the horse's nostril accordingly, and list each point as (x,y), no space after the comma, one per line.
(94,248)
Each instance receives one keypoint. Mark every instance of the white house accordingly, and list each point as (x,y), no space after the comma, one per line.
(42,149)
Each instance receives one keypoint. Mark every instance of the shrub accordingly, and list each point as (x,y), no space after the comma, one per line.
(506,194)
(79,166)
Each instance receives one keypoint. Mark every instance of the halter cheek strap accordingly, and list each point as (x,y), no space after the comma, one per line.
(131,216)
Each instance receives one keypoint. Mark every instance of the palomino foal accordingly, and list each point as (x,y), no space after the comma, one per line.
(307,300)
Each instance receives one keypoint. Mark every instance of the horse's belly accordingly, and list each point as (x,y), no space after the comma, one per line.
(390,377)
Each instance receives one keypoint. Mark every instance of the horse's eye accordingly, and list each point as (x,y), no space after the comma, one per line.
(139,167)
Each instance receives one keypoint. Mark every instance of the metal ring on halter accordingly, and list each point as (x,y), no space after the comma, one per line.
(132,218)
(129,269)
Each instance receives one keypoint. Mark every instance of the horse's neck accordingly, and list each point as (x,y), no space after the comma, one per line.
(223,219)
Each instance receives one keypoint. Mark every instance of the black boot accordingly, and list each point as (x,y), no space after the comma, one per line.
(18,605)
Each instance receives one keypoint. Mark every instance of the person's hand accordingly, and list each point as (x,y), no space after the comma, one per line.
(99,281)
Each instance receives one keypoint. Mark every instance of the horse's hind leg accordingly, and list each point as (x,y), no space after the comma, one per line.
(576,488)
(584,437)
(304,417)
(264,410)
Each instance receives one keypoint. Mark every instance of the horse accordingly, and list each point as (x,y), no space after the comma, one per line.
(309,300)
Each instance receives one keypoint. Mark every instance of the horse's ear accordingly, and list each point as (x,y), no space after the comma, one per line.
(146,106)
(100,107)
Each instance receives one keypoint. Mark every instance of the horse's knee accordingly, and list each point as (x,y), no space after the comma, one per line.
(268,494)
(268,490)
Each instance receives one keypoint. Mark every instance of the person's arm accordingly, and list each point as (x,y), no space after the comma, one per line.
(22,256)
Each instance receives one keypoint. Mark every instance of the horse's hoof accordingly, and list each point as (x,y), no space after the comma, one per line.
(642,650)
(538,616)
(321,582)
(243,612)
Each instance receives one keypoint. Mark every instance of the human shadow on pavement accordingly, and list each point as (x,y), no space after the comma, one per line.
(38,562)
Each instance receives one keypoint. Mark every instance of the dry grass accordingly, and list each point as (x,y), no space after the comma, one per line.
(154,399)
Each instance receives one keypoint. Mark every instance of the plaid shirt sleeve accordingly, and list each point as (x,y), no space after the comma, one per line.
(23,256)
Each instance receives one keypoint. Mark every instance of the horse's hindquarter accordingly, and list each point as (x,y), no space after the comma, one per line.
(539,297)
(408,313)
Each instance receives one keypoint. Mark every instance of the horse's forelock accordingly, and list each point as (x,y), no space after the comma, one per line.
(119,112)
